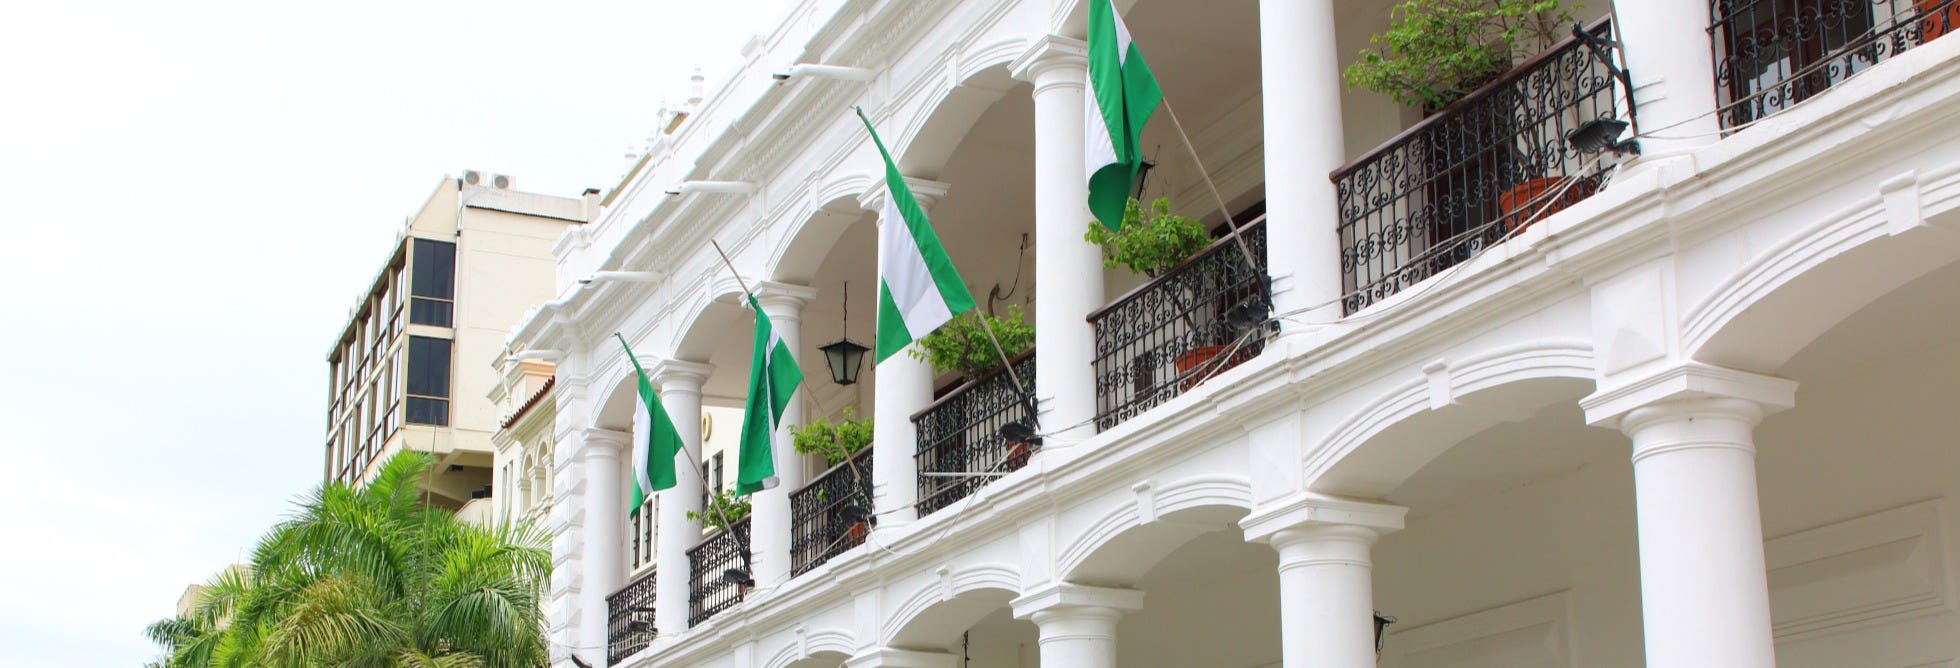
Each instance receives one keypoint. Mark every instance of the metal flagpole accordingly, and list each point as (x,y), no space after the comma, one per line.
(1223,210)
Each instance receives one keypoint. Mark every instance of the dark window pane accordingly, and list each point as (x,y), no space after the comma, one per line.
(435,269)
(428,411)
(428,367)
(430,312)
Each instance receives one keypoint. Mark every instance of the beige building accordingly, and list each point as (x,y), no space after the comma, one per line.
(412,367)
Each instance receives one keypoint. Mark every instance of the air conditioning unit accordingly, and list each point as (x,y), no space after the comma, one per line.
(499,181)
(472,177)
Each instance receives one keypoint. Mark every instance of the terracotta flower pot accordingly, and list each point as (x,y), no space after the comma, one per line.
(1933,21)
(1520,206)
(1197,359)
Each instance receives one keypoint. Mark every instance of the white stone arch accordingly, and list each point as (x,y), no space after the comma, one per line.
(1771,307)
(1119,547)
(616,393)
(926,135)
(832,646)
(1377,448)
(831,209)
(933,615)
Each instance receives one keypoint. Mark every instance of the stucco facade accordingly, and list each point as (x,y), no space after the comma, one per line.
(1695,415)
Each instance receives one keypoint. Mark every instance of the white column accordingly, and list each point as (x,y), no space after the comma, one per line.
(1326,586)
(680,393)
(1667,53)
(1067,269)
(892,657)
(1704,593)
(1077,623)
(769,536)
(1300,79)
(605,519)
(903,386)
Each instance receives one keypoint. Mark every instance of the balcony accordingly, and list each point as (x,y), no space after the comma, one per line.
(719,572)
(629,619)
(1772,54)
(1182,328)
(1471,175)
(961,447)
(831,514)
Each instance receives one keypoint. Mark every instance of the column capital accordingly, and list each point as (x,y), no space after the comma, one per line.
(927,191)
(1304,513)
(605,442)
(783,298)
(1065,597)
(679,375)
(892,657)
(1693,387)
(1048,53)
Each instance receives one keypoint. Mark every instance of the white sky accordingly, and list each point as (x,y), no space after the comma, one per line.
(193,193)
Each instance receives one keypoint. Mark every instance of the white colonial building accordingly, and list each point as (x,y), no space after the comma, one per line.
(1539,399)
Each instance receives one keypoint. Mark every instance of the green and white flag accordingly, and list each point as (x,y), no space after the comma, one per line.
(1121,96)
(655,441)
(773,377)
(918,288)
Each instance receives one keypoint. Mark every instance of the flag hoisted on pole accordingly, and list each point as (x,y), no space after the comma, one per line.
(773,377)
(655,440)
(1121,95)
(918,288)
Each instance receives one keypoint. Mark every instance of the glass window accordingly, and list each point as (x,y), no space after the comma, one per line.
(434,284)
(425,311)
(435,269)
(428,380)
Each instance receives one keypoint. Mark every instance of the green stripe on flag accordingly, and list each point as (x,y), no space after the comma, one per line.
(773,378)
(1122,94)
(918,287)
(655,440)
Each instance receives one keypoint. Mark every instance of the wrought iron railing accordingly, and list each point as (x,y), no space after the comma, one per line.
(1470,175)
(629,619)
(719,572)
(1206,315)
(961,447)
(1772,54)
(831,514)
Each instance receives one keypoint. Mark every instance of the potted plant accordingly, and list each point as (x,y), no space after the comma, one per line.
(1152,243)
(1937,17)
(837,443)
(1435,52)
(724,508)
(962,344)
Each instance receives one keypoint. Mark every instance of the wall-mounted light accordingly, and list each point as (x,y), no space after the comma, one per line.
(817,71)
(720,187)
(1602,134)
(1381,630)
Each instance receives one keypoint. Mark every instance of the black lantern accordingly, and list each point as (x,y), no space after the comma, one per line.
(845,357)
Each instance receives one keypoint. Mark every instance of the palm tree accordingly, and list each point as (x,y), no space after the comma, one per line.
(372,577)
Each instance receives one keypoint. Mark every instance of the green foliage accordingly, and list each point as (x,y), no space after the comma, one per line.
(1149,245)
(962,344)
(372,576)
(1437,51)
(724,504)
(836,442)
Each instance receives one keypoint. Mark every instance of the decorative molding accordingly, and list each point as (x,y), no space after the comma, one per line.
(1882,568)
(1307,508)
(1534,633)
(1606,407)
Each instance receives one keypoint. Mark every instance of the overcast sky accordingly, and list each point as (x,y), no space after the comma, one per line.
(191,196)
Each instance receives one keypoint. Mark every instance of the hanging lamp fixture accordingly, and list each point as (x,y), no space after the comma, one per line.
(844,356)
